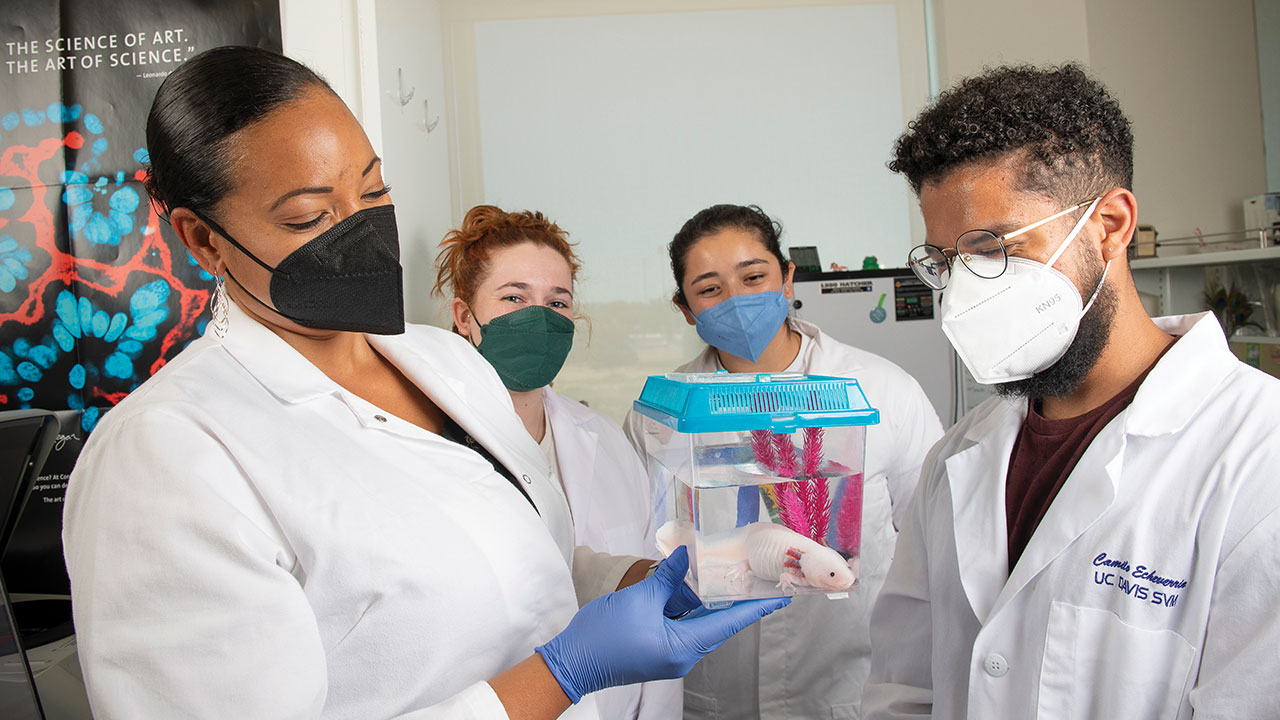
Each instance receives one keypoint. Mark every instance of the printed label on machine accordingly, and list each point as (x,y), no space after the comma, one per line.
(912,299)
(845,286)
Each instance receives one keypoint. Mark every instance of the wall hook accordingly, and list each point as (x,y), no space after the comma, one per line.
(427,123)
(400,93)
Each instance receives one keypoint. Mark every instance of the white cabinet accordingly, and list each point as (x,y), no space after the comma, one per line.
(1179,280)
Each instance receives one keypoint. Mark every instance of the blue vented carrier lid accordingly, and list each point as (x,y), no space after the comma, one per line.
(733,402)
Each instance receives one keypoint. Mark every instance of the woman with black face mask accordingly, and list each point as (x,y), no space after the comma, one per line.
(315,510)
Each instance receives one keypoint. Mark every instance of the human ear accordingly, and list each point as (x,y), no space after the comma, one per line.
(1118,213)
(688,315)
(198,239)
(464,320)
(788,283)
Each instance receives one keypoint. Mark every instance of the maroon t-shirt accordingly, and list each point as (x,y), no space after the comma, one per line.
(1044,454)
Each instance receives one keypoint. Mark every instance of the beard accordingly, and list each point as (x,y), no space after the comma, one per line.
(1065,376)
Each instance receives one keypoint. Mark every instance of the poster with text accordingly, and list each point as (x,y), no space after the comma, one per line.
(96,293)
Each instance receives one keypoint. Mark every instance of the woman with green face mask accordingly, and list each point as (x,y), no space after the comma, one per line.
(511,277)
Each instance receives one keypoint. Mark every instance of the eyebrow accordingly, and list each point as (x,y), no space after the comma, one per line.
(1002,229)
(319,189)
(739,266)
(525,286)
(313,190)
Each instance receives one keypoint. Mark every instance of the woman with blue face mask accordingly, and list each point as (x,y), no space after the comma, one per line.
(512,277)
(734,286)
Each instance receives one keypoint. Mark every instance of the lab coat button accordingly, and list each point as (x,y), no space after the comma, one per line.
(996,665)
(380,418)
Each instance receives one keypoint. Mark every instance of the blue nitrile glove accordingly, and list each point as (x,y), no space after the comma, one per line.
(684,600)
(624,637)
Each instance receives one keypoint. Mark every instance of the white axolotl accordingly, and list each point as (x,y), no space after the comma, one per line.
(772,552)
(776,552)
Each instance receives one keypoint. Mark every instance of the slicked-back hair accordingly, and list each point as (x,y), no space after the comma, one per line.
(1065,130)
(200,106)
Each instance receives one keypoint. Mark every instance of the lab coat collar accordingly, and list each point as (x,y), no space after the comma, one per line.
(292,378)
(976,482)
(577,443)
(830,357)
(564,410)
(1172,393)
(976,476)
(272,361)
(503,435)
(1184,379)
(1089,491)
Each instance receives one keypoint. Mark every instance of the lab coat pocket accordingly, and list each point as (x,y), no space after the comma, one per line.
(699,707)
(845,712)
(1097,665)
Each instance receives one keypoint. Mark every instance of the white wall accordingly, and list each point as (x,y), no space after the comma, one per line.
(1267,17)
(336,39)
(1185,72)
(621,119)
(415,162)
(622,150)
(971,34)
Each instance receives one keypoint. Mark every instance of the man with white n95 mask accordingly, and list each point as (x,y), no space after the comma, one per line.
(1100,539)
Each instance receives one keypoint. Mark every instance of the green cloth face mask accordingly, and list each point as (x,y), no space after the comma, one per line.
(527,347)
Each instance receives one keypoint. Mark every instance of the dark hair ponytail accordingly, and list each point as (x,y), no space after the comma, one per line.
(717,218)
(200,105)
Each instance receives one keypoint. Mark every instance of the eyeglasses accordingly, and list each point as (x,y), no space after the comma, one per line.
(981,251)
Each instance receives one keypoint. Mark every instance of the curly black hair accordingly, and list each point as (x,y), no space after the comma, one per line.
(1074,140)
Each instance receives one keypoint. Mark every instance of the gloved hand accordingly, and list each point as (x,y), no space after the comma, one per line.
(684,600)
(625,637)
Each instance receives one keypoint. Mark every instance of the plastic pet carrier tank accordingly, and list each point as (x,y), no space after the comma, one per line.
(761,477)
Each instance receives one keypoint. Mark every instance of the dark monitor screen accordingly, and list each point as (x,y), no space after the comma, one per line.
(32,560)
(20,440)
(25,441)
(806,259)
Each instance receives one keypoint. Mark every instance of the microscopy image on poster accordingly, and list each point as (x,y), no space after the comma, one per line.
(96,293)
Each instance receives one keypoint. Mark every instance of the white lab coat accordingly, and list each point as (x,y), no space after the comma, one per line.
(811,661)
(245,538)
(608,491)
(1181,484)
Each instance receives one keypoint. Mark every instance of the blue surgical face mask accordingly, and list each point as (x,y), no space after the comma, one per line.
(744,325)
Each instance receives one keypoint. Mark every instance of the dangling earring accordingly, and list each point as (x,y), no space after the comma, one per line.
(218,304)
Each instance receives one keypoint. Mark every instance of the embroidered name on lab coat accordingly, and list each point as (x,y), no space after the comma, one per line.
(1139,582)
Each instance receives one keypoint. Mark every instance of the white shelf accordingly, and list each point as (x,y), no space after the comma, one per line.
(1257,339)
(1220,257)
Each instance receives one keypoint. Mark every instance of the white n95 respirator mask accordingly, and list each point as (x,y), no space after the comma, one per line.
(1013,326)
